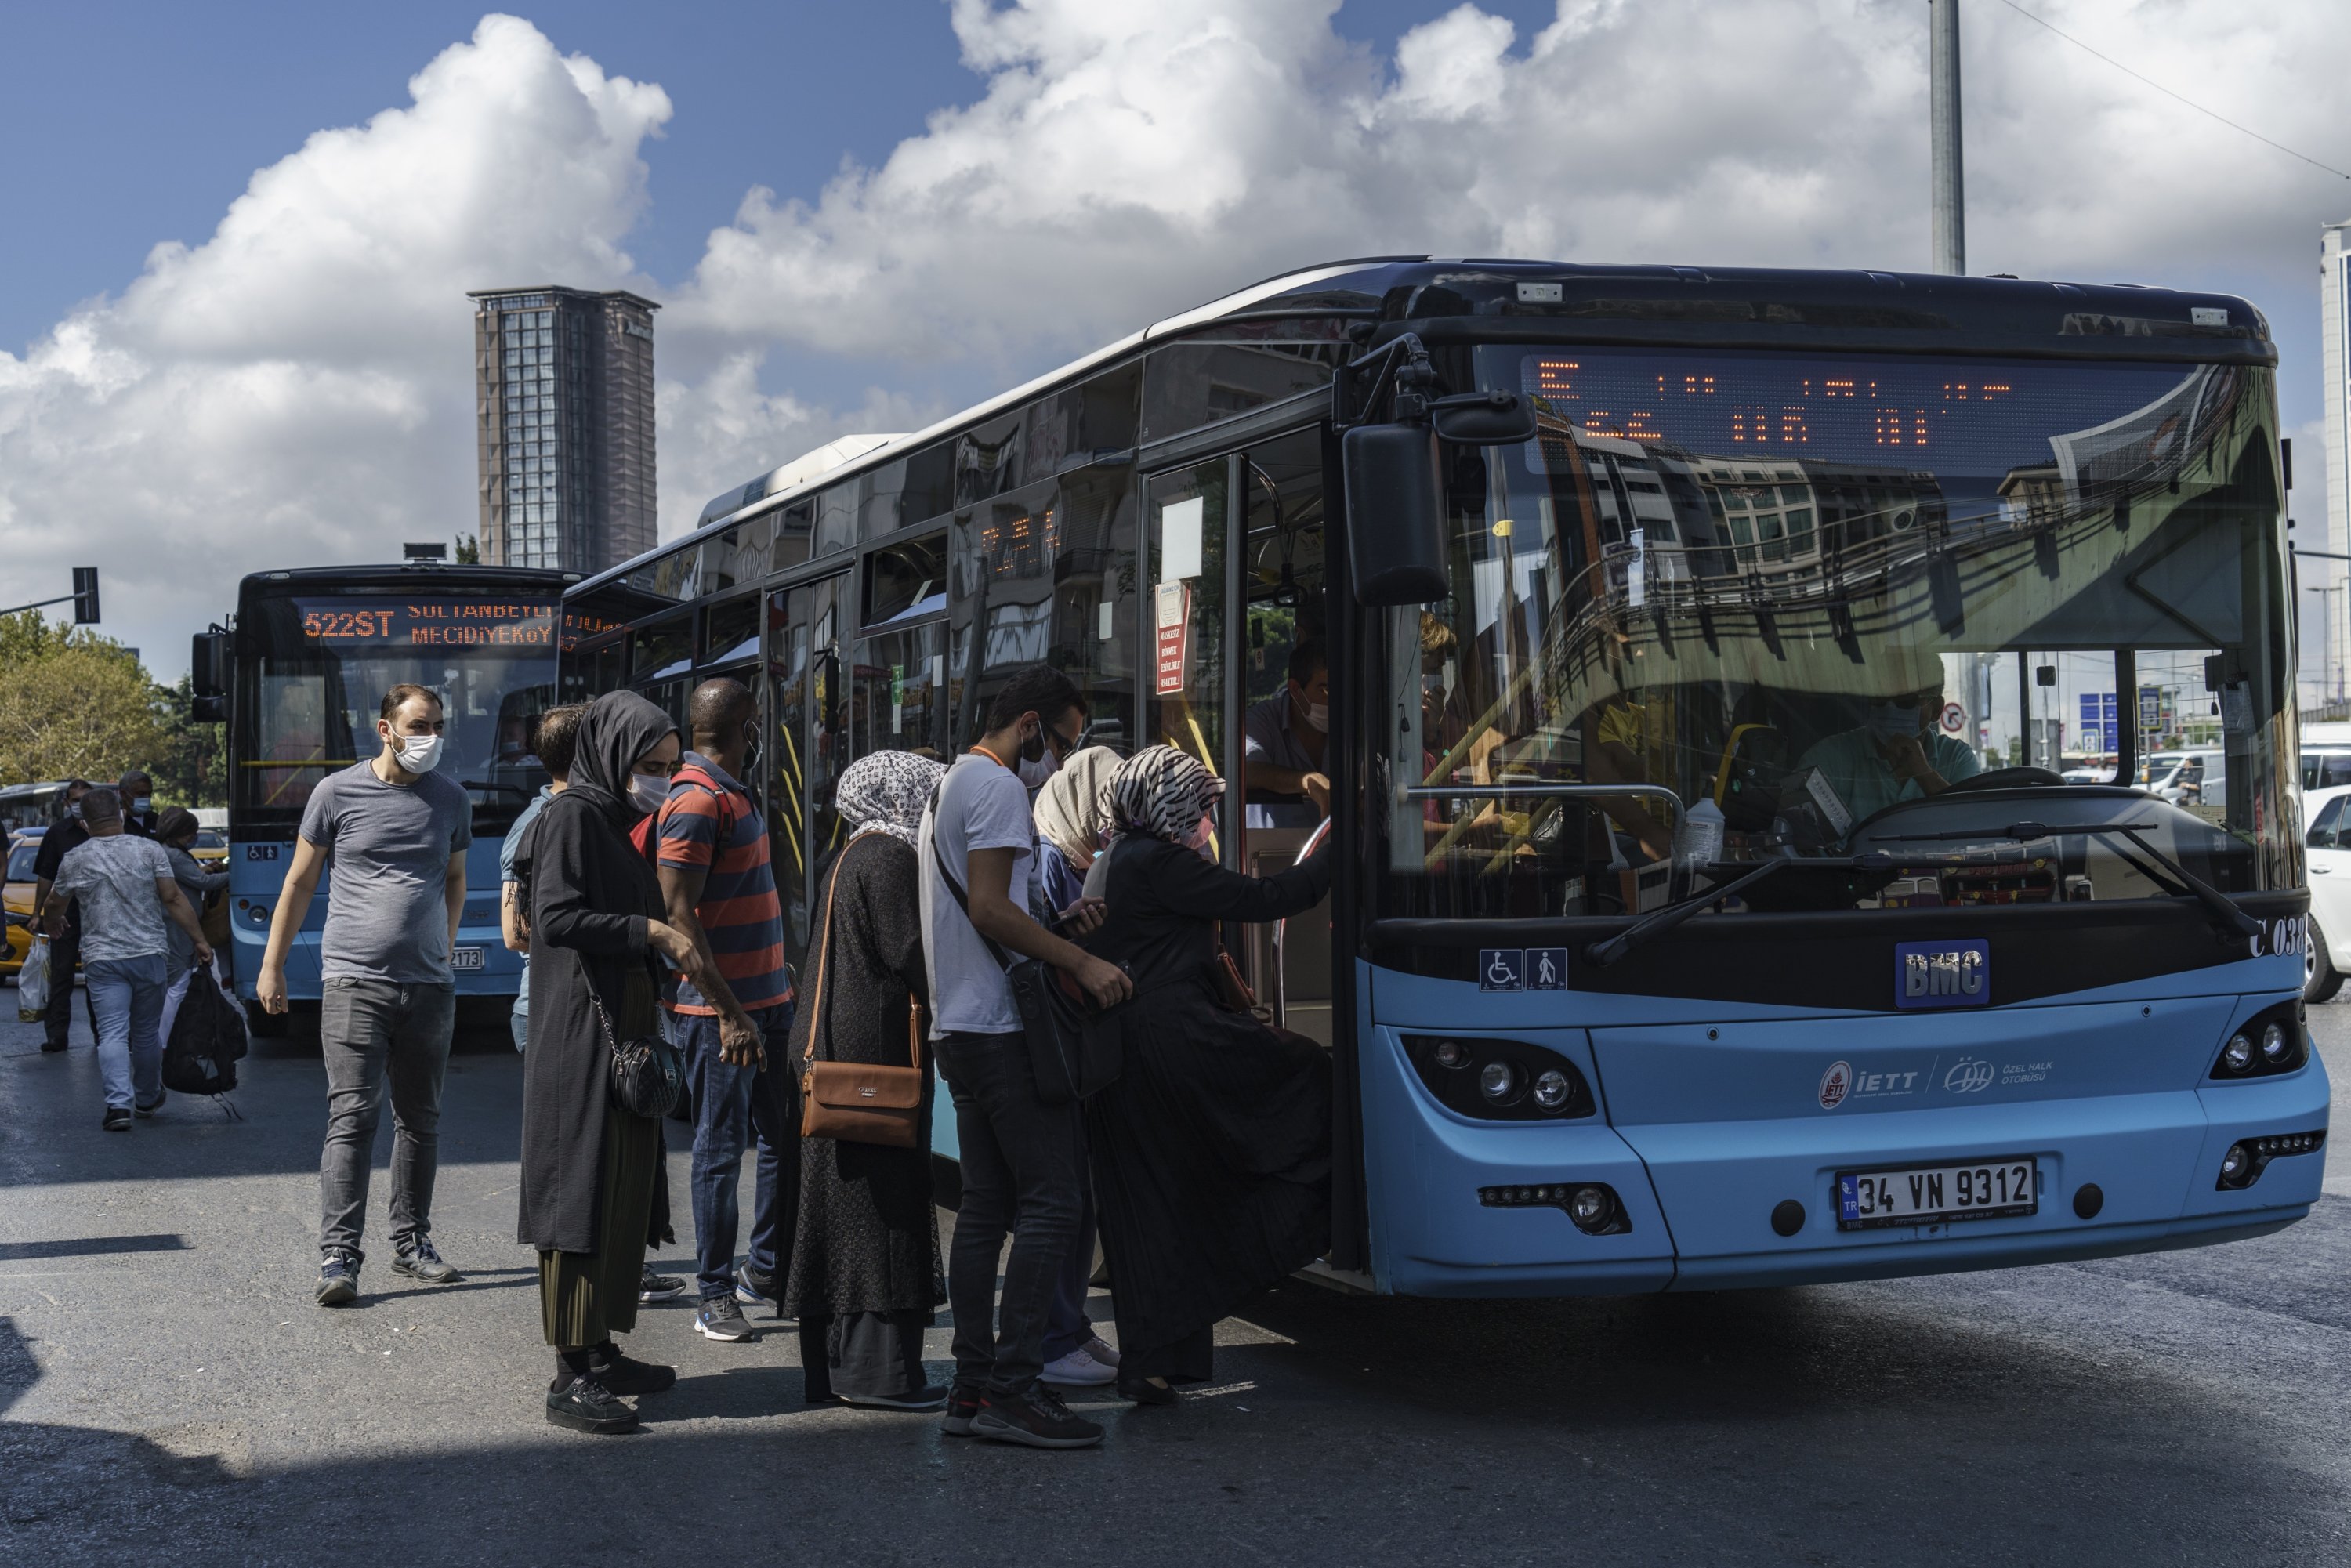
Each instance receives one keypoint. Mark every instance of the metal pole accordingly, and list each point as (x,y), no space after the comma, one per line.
(1950,232)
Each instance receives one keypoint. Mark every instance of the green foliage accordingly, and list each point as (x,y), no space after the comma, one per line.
(190,765)
(77,705)
(469,549)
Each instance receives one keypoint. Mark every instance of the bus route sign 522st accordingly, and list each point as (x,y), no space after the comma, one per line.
(426,622)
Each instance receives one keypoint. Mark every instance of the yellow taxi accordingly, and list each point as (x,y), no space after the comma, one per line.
(17,895)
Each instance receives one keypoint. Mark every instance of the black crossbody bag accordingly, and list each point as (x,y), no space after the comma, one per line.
(1075,1050)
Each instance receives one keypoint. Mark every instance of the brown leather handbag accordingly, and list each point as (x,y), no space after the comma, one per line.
(856,1102)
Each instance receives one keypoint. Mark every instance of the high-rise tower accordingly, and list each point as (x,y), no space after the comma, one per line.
(563,402)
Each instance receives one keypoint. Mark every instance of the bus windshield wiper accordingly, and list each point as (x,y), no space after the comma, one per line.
(2227,918)
(1658,921)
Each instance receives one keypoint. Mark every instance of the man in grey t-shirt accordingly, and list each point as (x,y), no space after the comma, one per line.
(395,833)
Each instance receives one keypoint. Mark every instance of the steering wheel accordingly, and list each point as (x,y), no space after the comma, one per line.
(2004,778)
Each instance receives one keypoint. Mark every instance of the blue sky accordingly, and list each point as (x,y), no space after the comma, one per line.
(235,241)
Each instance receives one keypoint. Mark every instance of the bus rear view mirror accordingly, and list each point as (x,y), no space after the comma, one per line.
(1396,513)
(208,676)
(1484,418)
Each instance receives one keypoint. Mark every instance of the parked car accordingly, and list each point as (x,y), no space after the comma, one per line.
(17,895)
(2326,954)
(2187,778)
(2323,768)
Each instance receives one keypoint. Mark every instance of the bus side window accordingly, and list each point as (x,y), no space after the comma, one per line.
(2322,831)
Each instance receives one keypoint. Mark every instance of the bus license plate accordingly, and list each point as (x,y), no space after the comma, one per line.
(1986,1190)
(465,958)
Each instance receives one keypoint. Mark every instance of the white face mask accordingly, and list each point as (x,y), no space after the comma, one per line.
(647,791)
(1201,834)
(1035,771)
(1317,717)
(417,754)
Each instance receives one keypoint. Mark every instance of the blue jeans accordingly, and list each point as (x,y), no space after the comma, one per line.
(126,1003)
(733,1105)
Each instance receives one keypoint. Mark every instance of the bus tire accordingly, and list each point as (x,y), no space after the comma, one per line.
(2320,978)
(265,1025)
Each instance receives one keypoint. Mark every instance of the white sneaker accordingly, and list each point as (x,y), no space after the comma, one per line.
(1079,1370)
(1101,1350)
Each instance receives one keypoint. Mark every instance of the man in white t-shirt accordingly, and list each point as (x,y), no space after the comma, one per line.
(1022,1159)
(122,885)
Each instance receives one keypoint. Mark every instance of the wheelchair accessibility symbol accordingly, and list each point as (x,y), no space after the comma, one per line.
(1501,969)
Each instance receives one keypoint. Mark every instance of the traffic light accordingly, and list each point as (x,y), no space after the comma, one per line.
(84,595)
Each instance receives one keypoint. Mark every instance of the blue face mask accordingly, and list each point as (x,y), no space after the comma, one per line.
(1892,721)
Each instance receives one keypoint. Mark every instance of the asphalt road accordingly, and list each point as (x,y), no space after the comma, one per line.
(168,1390)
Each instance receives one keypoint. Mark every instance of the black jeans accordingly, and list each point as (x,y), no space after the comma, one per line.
(372,1032)
(1022,1172)
(56,1023)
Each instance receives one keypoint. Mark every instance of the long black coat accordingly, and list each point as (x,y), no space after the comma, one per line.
(868,1240)
(1211,1153)
(591,895)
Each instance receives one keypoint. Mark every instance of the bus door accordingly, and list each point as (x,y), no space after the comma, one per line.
(805,736)
(1234,560)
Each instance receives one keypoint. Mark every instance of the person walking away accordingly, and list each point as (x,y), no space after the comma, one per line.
(865,1278)
(553,742)
(597,934)
(1074,820)
(395,833)
(176,830)
(718,886)
(550,742)
(122,885)
(65,944)
(137,792)
(1020,1157)
(1211,1152)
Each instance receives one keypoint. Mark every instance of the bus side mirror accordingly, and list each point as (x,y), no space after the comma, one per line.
(1396,514)
(207,677)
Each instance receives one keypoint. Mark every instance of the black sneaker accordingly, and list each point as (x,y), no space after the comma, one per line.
(418,1260)
(653,1287)
(585,1405)
(118,1119)
(754,1288)
(339,1279)
(627,1375)
(721,1317)
(932,1398)
(1034,1418)
(963,1405)
(145,1112)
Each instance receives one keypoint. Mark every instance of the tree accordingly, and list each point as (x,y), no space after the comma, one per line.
(190,765)
(469,549)
(79,707)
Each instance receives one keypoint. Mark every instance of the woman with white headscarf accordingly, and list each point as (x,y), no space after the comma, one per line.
(865,1273)
(1211,1153)
(1072,815)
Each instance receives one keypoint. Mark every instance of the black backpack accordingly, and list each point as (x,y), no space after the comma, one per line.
(207,1039)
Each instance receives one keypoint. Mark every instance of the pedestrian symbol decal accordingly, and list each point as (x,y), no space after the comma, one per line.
(1501,969)
(1546,969)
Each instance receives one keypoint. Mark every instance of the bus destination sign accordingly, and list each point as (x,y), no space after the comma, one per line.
(487,623)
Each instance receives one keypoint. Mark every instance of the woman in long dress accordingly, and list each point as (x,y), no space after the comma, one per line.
(587,1163)
(1211,1152)
(865,1273)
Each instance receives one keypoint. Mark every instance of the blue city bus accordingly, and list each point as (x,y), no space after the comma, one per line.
(299,673)
(1702,644)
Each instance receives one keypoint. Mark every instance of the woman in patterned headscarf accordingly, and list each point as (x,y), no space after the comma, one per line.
(866,1254)
(1211,1153)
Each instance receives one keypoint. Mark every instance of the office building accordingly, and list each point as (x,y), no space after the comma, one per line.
(563,405)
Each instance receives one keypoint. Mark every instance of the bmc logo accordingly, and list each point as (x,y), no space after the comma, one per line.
(1942,974)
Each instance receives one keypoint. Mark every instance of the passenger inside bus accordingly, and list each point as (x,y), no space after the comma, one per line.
(1899,752)
(1288,735)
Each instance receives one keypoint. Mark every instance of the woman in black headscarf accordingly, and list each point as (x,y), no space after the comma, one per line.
(1211,1153)
(865,1260)
(588,1165)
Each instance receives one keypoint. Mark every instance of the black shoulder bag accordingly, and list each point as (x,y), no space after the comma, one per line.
(648,1074)
(1074,1050)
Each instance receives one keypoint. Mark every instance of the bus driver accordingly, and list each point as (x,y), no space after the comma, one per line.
(1900,753)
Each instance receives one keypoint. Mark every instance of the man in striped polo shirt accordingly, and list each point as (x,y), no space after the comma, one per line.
(720,890)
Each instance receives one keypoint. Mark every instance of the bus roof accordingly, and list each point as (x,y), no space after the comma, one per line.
(402,575)
(1459,299)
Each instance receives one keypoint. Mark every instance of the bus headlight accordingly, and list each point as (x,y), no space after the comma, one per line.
(1500,1080)
(2273,1040)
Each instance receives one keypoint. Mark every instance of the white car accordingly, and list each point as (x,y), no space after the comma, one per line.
(2327,847)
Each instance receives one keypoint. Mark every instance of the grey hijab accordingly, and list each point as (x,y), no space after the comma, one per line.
(618,728)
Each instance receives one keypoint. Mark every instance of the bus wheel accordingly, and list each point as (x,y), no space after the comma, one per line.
(265,1025)
(2320,978)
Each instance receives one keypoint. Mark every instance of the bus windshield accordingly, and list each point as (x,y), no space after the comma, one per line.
(314,670)
(1847,608)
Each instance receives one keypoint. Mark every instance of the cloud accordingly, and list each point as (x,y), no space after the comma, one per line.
(297,388)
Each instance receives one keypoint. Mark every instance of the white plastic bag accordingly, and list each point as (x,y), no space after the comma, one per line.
(33,982)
